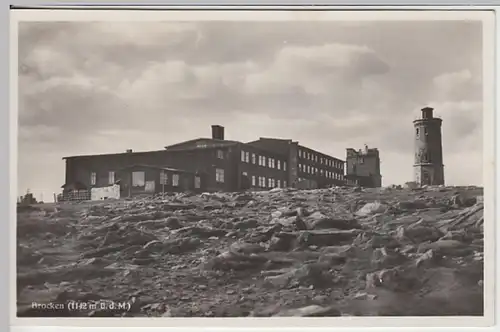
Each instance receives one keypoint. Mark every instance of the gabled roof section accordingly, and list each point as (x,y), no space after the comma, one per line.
(113,154)
(274,145)
(275,139)
(200,143)
(164,168)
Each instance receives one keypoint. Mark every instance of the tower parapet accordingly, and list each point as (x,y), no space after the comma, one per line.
(363,167)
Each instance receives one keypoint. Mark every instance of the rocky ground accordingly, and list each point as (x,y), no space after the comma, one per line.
(332,252)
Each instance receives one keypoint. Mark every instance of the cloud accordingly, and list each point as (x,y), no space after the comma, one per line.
(97,87)
(460,85)
(316,69)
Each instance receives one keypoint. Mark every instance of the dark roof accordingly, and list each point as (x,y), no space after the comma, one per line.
(76,184)
(274,139)
(113,154)
(164,168)
(212,140)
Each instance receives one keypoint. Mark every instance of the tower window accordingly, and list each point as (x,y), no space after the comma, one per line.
(417,132)
(425,132)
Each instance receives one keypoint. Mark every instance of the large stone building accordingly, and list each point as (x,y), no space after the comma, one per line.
(206,164)
(363,167)
(428,166)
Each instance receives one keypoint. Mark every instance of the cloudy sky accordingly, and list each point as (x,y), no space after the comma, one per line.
(90,87)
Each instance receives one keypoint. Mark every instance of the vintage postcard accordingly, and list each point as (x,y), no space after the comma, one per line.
(200,167)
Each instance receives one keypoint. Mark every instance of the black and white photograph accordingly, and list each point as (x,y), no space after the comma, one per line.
(223,167)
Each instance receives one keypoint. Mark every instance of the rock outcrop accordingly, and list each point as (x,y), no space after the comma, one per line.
(284,252)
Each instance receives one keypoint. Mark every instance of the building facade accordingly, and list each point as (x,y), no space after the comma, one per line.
(145,179)
(216,163)
(428,166)
(363,167)
(308,168)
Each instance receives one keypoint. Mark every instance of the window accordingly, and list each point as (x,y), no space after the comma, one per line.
(270,162)
(279,164)
(219,175)
(111,177)
(163,177)
(247,157)
(253,158)
(361,160)
(425,131)
(279,184)
(284,183)
(253,180)
(308,169)
(284,165)
(300,153)
(417,132)
(242,155)
(197,182)
(93,178)
(262,181)
(263,161)
(175,180)
(220,154)
(270,182)
(138,179)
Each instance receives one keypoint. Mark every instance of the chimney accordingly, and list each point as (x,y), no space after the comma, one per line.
(129,150)
(217,132)
(427,112)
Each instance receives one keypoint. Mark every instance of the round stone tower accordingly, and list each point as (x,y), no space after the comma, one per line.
(428,167)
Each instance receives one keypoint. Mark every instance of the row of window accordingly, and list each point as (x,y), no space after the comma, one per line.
(263,182)
(335,176)
(314,170)
(262,160)
(164,179)
(93,178)
(322,160)
(139,179)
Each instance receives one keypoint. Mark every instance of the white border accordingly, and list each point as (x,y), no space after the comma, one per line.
(281,13)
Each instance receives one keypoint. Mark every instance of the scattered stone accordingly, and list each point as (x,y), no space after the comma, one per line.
(284,252)
(371,208)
